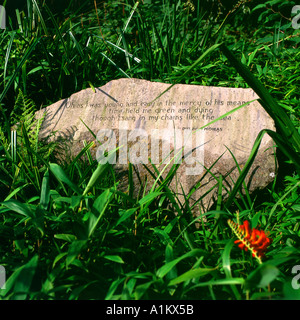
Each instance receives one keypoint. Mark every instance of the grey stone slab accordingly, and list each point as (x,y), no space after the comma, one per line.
(125,113)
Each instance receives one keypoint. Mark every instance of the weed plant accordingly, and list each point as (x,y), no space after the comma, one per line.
(68,232)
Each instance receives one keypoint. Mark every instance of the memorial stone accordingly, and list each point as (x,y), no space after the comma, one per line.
(167,128)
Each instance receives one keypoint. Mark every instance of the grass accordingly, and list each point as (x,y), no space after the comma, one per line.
(68,232)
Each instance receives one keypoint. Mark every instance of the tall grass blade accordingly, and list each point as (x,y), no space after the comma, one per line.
(115,65)
(219,282)
(284,125)
(57,30)
(162,271)
(100,170)
(13,145)
(8,50)
(85,150)
(127,22)
(195,64)
(99,208)
(169,253)
(191,274)
(62,176)
(77,45)
(227,266)
(14,193)
(19,67)
(245,170)
(45,191)
(136,59)
(244,183)
(42,21)
(125,215)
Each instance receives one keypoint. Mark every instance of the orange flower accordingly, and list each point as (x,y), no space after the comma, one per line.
(253,240)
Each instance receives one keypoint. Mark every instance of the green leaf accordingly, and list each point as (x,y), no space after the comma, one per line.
(66,237)
(41,19)
(19,207)
(219,282)
(227,266)
(113,287)
(170,257)
(101,168)
(141,289)
(75,294)
(61,176)
(163,236)
(99,208)
(161,272)
(191,274)
(226,258)
(20,281)
(117,259)
(125,214)
(149,197)
(75,201)
(77,45)
(16,191)
(58,257)
(255,219)
(74,250)
(263,5)
(45,191)
(290,293)
(262,276)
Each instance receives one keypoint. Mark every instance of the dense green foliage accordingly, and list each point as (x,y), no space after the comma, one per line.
(66,230)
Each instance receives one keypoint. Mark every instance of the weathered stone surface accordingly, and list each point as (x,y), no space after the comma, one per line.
(125,113)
